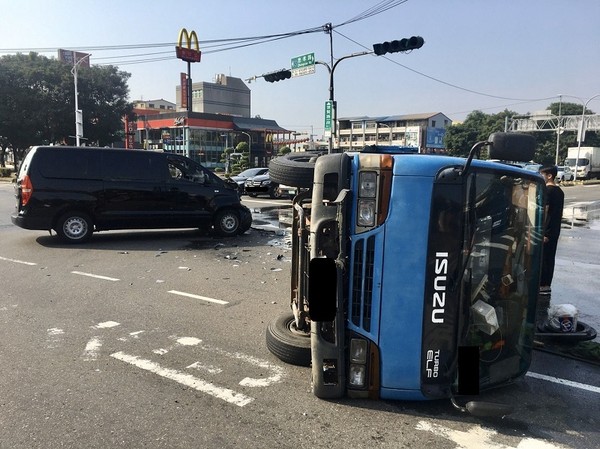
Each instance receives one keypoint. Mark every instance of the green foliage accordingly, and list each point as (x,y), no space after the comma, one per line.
(38,102)
(478,126)
(284,150)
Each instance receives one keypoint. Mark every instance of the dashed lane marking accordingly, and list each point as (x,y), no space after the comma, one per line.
(97,276)
(18,261)
(566,382)
(203,298)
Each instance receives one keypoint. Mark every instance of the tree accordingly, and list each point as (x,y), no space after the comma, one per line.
(284,150)
(478,126)
(38,102)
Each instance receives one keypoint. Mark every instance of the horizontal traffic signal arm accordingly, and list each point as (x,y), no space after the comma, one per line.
(396,46)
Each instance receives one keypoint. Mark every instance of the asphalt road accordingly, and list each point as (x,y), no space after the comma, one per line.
(155,339)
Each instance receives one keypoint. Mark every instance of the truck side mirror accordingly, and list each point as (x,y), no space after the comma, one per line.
(512,147)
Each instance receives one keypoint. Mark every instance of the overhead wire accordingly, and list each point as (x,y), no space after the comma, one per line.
(465,89)
(219,45)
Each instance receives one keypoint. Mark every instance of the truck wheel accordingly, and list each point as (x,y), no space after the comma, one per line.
(74,227)
(294,169)
(288,343)
(226,223)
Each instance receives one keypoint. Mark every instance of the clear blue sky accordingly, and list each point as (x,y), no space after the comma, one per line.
(487,55)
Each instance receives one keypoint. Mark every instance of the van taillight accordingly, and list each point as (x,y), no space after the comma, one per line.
(26,190)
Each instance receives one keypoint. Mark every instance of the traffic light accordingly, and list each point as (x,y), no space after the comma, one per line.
(396,46)
(279,75)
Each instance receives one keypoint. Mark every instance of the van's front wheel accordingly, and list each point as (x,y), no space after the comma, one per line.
(74,227)
(227,223)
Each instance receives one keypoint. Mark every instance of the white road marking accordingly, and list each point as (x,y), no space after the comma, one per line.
(92,347)
(106,325)
(480,437)
(277,371)
(208,368)
(54,337)
(566,382)
(17,261)
(203,298)
(97,276)
(185,379)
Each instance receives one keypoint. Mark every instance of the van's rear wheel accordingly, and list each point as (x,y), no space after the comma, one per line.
(287,343)
(227,223)
(74,227)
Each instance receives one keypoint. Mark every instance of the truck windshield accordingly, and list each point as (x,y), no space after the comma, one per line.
(501,240)
(570,162)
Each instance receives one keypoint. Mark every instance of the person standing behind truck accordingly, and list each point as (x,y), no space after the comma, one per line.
(554,204)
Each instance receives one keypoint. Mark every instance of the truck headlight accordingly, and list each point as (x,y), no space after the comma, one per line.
(357,375)
(367,185)
(366,212)
(358,350)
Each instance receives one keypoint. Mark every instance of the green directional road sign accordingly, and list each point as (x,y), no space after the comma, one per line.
(328,116)
(303,65)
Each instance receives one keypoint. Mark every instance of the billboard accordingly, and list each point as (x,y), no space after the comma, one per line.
(72,57)
(435,137)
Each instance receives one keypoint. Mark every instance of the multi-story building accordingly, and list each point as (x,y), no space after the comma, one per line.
(153,105)
(226,95)
(423,131)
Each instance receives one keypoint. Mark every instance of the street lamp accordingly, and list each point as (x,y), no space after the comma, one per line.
(78,112)
(389,127)
(249,147)
(581,131)
(558,130)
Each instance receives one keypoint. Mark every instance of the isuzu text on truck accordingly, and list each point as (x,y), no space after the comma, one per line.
(413,276)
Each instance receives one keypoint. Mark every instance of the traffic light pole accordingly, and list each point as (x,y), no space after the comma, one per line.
(332,94)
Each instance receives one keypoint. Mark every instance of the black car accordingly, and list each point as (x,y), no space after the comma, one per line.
(240,179)
(262,185)
(79,190)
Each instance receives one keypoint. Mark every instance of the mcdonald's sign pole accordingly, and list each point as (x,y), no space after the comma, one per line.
(189,54)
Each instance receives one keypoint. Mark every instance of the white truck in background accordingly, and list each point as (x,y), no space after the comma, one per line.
(587,161)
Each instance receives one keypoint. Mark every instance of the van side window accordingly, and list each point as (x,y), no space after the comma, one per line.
(122,164)
(68,163)
(180,169)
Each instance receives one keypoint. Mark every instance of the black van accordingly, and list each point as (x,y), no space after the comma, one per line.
(79,190)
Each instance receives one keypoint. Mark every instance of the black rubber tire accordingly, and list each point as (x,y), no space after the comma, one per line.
(584,332)
(74,227)
(286,343)
(274,192)
(227,223)
(294,169)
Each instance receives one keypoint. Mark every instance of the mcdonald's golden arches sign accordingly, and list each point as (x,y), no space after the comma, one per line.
(188,53)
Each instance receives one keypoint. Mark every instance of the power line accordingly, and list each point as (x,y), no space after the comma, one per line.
(525,100)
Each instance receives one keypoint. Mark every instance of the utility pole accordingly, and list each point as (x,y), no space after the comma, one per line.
(78,112)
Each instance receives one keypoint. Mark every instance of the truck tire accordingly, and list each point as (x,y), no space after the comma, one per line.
(294,169)
(287,343)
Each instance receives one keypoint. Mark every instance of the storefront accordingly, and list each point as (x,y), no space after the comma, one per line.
(203,137)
